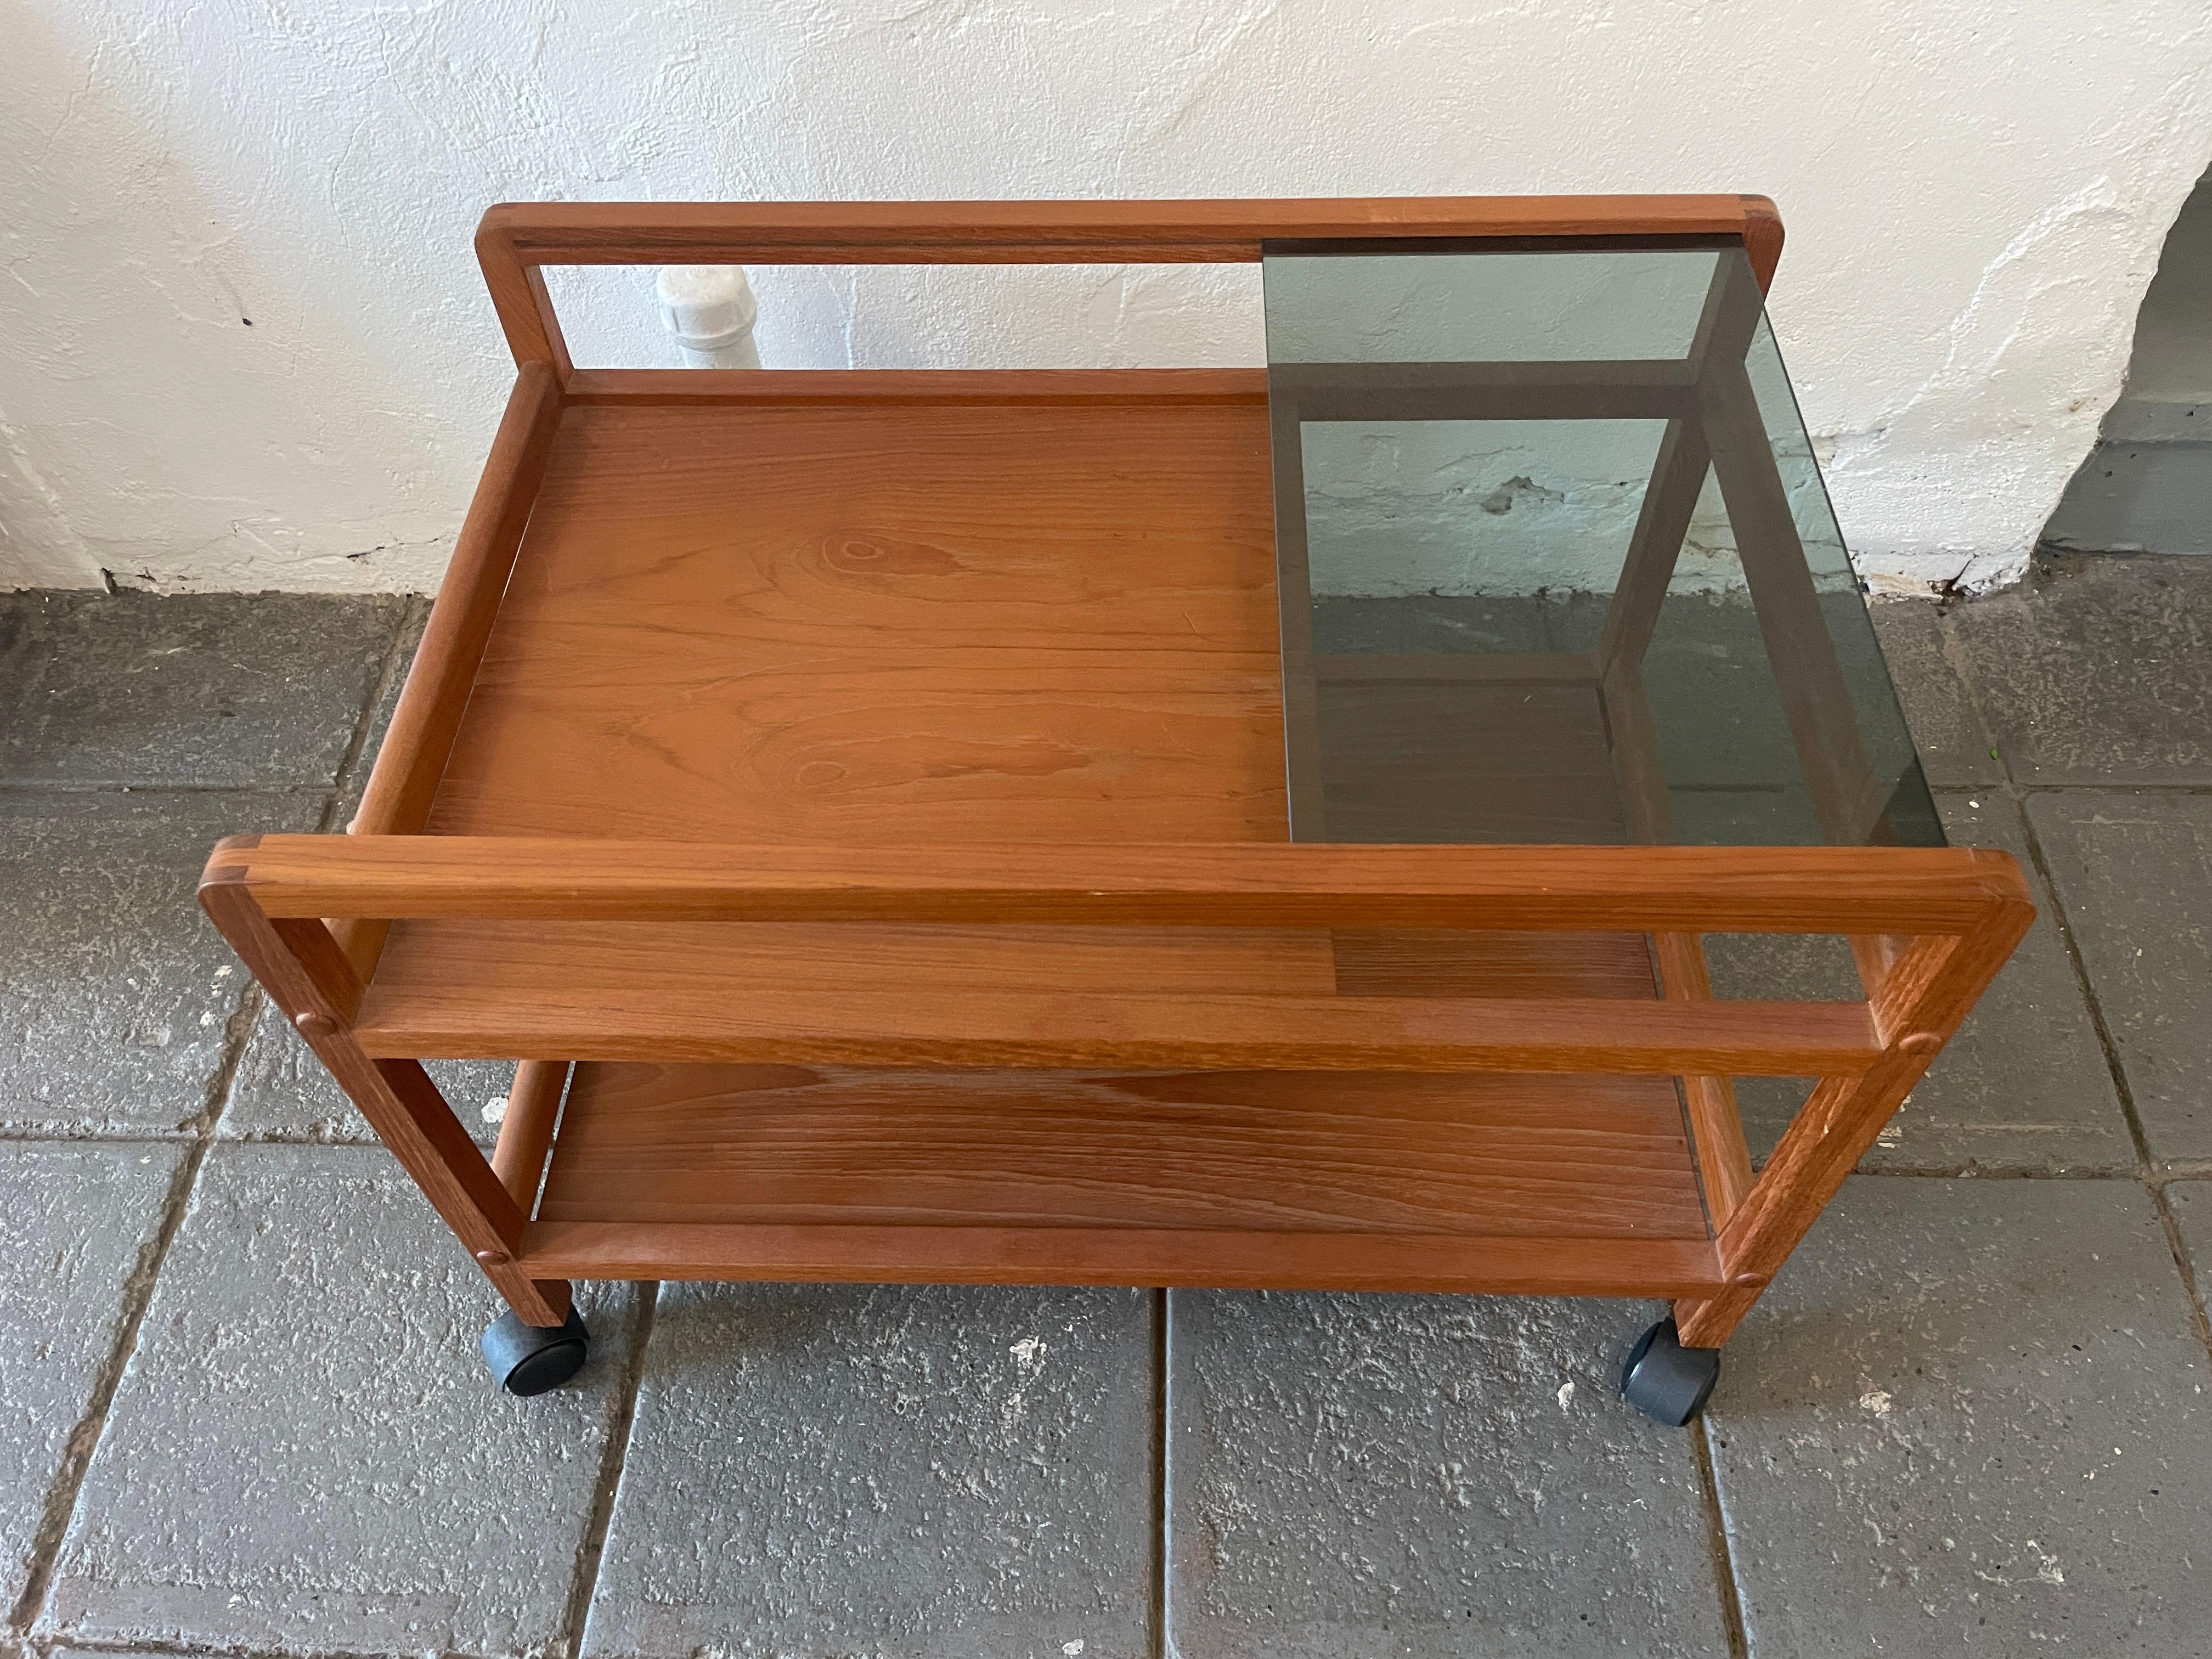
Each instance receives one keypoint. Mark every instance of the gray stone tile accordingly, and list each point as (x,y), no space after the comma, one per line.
(2137,491)
(1954,748)
(1357,1476)
(24,615)
(250,690)
(2024,1085)
(2135,873)
(74,1221)
(1970,1417)
(115,992)
(282,1092)
(946,1473)
(307,1453)
(2098,671)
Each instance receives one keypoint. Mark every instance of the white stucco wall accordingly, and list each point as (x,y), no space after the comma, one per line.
(1976,193)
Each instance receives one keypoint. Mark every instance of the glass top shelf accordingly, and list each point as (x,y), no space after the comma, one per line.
(1557,564)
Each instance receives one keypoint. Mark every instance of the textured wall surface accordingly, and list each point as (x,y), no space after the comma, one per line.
(242,343)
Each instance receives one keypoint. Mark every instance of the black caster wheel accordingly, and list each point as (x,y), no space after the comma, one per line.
(1665,1380)
(529,1359)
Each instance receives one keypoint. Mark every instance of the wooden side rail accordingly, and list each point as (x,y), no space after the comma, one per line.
(1814,889)
(413,755)
(1131,1031)
(429,714)
(1046,232)
(515,240)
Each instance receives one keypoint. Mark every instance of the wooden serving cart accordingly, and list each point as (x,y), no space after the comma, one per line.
(859,799)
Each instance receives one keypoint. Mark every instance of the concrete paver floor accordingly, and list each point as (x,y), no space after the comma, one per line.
(240,1409)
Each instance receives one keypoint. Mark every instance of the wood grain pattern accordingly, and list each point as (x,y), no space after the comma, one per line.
(316,951)
(1814,889)
(849,626)
(1708,1102)
(571,1013)
(1004,233)
(1123,1255)
(931,720)
(1444,962)
(405,775)
(778,1145)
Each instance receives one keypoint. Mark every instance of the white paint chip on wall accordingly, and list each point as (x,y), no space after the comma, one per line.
(243,343)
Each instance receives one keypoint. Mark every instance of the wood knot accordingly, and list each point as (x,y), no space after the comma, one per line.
(493,1258)
(1920,1042)
(315,1026)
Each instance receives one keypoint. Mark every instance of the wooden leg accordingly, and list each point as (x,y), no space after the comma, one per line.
(1294,603)
(1808,676)
(1669,500)
(1829,1136)
(1715,1125)
(1930,986)
(412,1118)
(1724,331)
(311,981)
(525,1133)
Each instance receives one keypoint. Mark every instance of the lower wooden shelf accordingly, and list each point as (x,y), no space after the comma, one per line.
(1464,1183)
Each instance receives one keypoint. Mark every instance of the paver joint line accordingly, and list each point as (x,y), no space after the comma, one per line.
(1163,1511)
(590,1549)
(1731,1599)
(69,1480)
(2177,1246)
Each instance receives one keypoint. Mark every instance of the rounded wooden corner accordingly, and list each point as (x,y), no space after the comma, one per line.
(2002,876)
(1762,238)
(496,230)
(227,862)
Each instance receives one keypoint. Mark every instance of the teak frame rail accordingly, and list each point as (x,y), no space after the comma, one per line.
(309,914)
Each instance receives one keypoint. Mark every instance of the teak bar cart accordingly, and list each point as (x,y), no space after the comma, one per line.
(1185,827)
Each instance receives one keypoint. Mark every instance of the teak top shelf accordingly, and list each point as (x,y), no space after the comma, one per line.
(839,622)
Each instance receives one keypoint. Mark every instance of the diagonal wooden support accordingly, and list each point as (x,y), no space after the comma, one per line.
(313,984)
(1919,1005)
